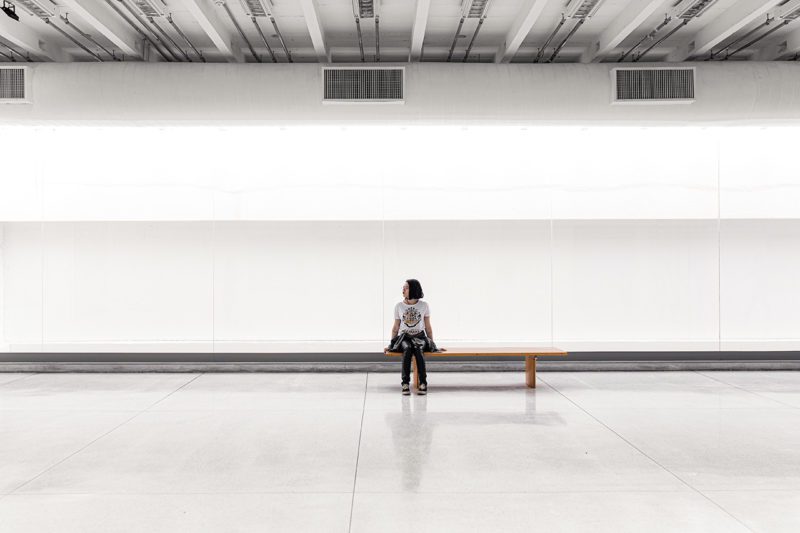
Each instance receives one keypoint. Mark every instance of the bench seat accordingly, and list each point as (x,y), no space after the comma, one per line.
(530,353)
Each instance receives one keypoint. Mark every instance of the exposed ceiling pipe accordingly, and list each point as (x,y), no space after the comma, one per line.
(280,38)
(472,41)
(455,38)
(667,20)
(71,38)
(550,38)
(377,39)
(149,29)
(239,29)
(683,23)
(170,39)
(65,18)
(743,37)
(138,30)
(562,43)
(185,38)
(360,40)
(263,38)
(15,51)
(760,37)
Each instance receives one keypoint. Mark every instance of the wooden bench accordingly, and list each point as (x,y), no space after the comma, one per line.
(529,353)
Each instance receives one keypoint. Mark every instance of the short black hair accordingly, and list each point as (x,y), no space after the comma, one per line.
(414,290)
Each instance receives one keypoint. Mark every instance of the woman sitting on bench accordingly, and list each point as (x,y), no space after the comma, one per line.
(409,335)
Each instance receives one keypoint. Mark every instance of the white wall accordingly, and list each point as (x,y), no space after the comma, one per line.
(298,238)
(435,93)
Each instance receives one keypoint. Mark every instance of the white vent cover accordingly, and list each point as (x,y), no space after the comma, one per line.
(362,84)
(654,84)
(12,85)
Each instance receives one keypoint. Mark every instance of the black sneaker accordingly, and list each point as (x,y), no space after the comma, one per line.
(423,388)
(406,389)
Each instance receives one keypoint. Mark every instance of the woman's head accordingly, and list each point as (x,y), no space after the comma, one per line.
(412,290)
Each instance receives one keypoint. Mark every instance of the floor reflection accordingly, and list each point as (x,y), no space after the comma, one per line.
(412,428)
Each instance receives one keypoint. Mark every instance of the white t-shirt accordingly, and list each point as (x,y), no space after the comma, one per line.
(411,316)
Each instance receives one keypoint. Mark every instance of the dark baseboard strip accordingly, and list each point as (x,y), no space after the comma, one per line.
(394,366)
(373,357)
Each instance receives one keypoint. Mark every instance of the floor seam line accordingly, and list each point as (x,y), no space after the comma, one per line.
(43,472)
(673,474)
(358,454)
(20,379)
(744,390)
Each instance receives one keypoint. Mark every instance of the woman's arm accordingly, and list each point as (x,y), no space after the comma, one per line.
(428,328)
(395,330)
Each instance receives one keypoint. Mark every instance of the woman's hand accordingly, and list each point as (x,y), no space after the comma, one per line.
(386,350)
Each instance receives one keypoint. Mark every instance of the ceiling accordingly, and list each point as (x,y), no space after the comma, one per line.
(516,31)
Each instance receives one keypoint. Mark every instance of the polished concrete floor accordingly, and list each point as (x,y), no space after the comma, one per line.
(591,451)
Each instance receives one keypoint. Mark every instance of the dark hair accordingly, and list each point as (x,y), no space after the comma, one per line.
(414,290)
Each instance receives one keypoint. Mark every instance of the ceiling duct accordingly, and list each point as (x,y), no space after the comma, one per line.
(582,9)
(151,8)
(40,8)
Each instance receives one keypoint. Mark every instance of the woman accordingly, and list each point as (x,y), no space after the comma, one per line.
(410,336)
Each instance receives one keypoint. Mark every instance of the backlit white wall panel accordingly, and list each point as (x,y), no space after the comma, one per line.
(22,287)
(479,173)
(116,174)
(127,286)
(20,177)
(298,286)
(624,285)
(303,173)
(638,173)
(760,286)
(486,282)
(759,173)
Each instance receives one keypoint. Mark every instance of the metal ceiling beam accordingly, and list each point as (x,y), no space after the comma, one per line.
(629,20)
(724,26)
(22,37)
(311,13)
(223,39)
(105,21)
(526,17)
(418,31)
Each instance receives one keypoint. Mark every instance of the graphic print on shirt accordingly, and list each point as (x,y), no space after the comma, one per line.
(411,317)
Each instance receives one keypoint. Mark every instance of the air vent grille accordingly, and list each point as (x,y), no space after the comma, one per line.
(12,83)
(363,84)
(634,85)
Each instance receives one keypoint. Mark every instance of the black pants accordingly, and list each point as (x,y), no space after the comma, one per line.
(412,349)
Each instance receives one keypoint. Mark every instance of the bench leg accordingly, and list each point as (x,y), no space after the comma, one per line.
(414,373)
(530,371)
